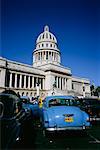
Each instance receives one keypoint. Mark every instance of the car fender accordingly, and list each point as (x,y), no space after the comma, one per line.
(86,118)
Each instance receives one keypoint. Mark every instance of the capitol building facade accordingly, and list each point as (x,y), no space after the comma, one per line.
(46,74)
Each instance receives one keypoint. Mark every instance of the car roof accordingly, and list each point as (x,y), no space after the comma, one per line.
(58,96)
(25,97)
(8,94)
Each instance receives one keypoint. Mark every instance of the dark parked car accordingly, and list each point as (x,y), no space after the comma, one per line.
(92,107)
(12,116)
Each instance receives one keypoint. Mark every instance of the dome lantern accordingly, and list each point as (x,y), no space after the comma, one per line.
(46,28)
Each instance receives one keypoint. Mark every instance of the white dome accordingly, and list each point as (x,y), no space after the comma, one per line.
(46,50)
(46,36)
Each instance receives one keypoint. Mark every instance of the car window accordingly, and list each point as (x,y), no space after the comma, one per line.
(64,102)
(91,102)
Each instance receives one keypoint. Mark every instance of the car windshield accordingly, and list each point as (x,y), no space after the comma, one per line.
(64,102)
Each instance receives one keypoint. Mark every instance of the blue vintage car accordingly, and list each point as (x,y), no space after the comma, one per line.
(60,113)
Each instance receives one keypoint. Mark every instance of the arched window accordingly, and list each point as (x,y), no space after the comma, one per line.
(22,93)
(31,94)
(50,36)
(43,36)
(42,45)
(50,45)
(35,94)
(27,94)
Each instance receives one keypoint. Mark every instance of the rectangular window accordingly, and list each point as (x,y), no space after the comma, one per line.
(22,81)
(18,79)
(30,81)
(58,82)
(13,79)
(61,83)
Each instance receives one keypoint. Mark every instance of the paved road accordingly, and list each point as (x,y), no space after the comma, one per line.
(34,139)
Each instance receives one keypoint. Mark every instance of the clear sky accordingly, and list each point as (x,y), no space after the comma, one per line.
(76,24)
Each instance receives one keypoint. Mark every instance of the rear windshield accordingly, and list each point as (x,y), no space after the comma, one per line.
(25,100)
(64,102)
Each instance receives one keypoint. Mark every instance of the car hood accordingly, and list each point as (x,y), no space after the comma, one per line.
(59,115)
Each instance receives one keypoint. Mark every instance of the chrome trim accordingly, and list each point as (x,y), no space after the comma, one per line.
(66,128)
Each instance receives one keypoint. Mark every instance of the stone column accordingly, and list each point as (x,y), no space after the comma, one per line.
(57,82)
(62,83)
(69,84)
(43,83)
(15,80)
(10,80)
(20,82)
(41,55)
(25,81)
(53,56)
(32,82)
(35,57)
(59,58)
(2,77)
(44,55)
(47,55)
(56,57)
(65,84)
(28,82)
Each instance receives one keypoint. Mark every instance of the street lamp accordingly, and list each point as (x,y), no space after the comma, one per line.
(37,88)
(54,86)
(83,86)
(7,75)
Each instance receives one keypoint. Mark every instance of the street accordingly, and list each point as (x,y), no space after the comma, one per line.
(34,139)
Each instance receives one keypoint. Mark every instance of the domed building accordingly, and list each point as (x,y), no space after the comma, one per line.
(46,76)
